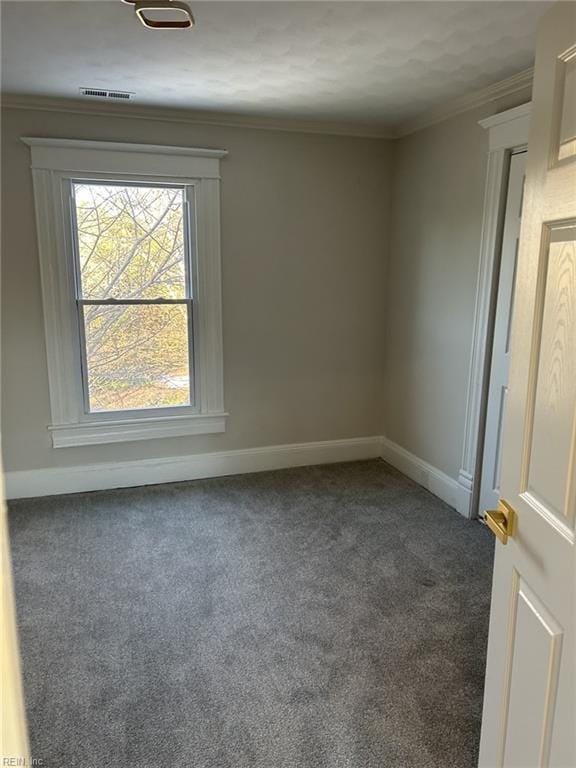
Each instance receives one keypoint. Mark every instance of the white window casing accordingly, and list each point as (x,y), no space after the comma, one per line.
(55,163)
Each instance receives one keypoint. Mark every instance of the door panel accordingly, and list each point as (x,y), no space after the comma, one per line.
(567,141)
(529,705)
(534,661)
(554,370)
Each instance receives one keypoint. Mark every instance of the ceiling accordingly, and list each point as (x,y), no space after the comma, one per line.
(375,63)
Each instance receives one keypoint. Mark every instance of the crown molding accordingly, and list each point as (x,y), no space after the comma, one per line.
(507,87)
(192,117)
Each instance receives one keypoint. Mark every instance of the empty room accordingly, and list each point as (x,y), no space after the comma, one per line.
(288,384)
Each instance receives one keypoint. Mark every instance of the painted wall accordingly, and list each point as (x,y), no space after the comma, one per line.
(437,197)
(304,238)
(349,279)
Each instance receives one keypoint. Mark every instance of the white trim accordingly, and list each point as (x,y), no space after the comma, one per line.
(125,474)
(465,489)
(504,118)
(54,162)
(120,146)
(506,131)
(92,477)
(423,473)
(77,156)
(123,430)
(508,87)
(194,117)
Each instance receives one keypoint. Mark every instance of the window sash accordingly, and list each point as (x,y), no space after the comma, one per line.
(189,285)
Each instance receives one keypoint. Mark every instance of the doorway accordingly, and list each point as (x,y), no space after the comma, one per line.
(499,348)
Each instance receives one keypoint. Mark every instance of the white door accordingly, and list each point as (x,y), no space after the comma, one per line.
(529,714)
(500,359)
(13,733)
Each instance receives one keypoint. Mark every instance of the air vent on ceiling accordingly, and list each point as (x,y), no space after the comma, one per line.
(98,93)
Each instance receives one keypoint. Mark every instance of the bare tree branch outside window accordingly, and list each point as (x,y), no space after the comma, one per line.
(132,259)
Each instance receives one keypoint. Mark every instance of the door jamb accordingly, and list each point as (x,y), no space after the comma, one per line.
(507,131)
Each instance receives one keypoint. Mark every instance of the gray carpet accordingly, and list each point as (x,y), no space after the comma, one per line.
(324,617)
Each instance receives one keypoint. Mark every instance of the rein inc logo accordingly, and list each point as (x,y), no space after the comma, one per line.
(21,762)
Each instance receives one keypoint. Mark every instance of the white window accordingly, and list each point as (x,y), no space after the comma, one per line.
(129,248)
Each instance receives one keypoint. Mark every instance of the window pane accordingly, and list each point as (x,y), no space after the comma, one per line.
(130,241)
(137,356)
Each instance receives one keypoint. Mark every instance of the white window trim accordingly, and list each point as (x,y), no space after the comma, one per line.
(56,159)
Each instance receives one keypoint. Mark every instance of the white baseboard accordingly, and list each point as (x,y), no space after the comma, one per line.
(465,486)
(125,474)
(93,477)
(434,480)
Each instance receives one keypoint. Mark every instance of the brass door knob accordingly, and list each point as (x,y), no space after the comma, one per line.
(501,521)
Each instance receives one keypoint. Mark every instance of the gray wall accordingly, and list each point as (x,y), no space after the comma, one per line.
(436,198)
(349,269)
(304,237)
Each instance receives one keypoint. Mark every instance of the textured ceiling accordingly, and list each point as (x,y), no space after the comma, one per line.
(378,63)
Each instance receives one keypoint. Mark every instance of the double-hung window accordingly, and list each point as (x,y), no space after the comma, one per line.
(134,294)
(130,259)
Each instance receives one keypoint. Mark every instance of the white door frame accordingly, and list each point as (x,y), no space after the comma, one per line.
(507,131)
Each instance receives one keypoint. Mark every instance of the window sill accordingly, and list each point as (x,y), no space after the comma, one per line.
(125,430)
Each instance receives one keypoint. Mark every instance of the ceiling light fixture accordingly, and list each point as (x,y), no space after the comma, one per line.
(163,14)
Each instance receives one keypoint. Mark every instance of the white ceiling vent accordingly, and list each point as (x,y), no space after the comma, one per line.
(99,93)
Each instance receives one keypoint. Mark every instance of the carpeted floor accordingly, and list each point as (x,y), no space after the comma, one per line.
(324,617)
